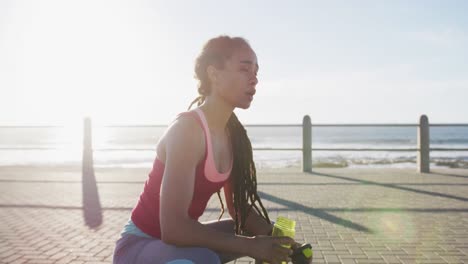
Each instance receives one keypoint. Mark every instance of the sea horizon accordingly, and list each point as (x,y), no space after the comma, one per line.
(134,146)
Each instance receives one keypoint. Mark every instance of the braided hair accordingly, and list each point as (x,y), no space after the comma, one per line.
(244,177)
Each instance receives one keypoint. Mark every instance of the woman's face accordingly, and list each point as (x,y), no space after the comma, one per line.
(236,83)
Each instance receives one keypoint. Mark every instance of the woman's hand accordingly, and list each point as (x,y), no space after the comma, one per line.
(270,249)
(295,246)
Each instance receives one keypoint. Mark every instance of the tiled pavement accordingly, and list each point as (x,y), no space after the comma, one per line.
(54,215)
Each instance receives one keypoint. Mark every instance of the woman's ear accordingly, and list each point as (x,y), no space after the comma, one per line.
(212,73)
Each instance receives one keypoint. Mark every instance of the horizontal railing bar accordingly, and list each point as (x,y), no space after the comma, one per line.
(162,126)
(146,149)
(273,125)
(364,125)
(256,125)
(124,149)
(281,125)
(44,148)
(448,125)
(448,149)
(362,149)
(260,149)
(279,149)
(132,126)
(33,126)
(313,125)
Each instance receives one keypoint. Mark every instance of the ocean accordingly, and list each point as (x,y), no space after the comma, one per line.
(26,146)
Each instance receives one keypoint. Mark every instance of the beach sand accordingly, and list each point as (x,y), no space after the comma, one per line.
(55,215)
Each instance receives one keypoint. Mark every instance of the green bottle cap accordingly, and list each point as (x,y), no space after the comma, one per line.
(307,252)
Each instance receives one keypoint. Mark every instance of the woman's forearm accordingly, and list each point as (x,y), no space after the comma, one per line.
(189,232)
(257,225)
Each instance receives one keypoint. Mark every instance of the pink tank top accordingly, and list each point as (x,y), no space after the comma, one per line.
(208,181)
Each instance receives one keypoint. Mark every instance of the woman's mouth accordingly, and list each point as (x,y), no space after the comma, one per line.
(250,95)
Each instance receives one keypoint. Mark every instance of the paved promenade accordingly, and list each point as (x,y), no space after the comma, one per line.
(57,215)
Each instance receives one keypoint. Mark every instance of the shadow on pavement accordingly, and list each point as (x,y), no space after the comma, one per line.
(315,212)
(92,210)
(449,175)
(357,183)
(393,186)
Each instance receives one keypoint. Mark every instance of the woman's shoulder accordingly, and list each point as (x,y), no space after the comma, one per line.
(186,123)
(183,134)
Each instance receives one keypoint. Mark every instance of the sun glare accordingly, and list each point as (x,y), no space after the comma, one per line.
(71,60)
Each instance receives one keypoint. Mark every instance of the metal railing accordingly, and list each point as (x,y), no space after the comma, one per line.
(423,141)
(422,148)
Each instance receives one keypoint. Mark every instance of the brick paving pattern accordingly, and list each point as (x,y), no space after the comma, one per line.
(55,215)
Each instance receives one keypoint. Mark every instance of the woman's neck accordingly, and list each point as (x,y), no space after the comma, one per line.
(217,114)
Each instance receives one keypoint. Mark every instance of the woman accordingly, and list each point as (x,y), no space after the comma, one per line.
(202,151)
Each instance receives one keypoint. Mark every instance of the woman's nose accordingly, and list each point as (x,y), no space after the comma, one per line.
(253,80)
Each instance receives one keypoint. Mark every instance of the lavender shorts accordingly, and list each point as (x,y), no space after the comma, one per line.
(136,249)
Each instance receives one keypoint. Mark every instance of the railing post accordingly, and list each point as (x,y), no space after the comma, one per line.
(92,209)
(87,144)
(306,144)
(423,144)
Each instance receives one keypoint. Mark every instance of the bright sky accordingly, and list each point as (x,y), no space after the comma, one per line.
(131,62)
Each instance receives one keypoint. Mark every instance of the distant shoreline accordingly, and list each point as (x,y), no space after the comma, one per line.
(448,164)
(298,168)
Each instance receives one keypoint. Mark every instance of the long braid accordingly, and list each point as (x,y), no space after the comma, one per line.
(244,176)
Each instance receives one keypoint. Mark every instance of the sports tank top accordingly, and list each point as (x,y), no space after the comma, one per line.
(145,215)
